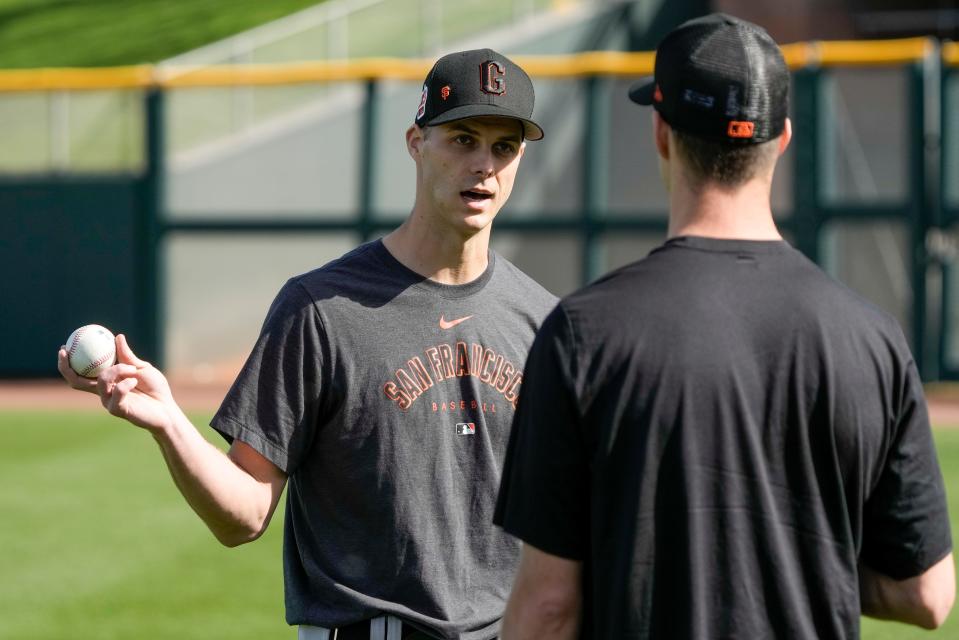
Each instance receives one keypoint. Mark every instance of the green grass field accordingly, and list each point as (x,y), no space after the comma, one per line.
(96,542)
(106,127)
(94,33)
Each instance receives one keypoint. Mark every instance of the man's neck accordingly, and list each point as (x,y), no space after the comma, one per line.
(439,254)
(742,213)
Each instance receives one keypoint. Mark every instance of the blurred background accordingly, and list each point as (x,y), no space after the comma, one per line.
(165,166)
(172,205)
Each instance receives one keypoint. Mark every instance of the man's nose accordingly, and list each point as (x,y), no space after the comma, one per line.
(483,162)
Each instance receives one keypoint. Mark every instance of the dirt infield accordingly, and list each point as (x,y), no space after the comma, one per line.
(55,394)
(943,397)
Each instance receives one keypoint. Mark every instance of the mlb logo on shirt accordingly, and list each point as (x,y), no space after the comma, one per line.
(465,428)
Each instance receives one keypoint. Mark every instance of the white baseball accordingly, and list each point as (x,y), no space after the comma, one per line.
(91,349)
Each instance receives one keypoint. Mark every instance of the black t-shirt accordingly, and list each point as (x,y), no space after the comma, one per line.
(720,432)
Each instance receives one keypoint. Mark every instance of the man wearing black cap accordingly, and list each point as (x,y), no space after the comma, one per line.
(719,441)
(382,388)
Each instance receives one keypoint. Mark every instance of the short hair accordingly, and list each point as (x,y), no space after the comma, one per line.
(725,164)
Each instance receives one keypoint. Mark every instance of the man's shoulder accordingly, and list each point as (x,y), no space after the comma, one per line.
(669,277)
(824,295)
(359,272)
(355,263)
(516,280)
(360,276)
(853,308)
(630,280)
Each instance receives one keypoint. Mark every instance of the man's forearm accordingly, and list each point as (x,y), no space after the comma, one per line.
(526,619)
(233,504)
(234,495)
(546,601)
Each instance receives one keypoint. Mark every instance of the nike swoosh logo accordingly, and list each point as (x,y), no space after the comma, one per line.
(452,323)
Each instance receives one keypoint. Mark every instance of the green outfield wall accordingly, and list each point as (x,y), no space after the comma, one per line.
(868,190)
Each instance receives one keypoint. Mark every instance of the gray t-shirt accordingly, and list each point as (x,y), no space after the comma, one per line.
(388,398)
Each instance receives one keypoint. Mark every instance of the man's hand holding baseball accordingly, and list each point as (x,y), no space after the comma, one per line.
(233,493)
(132,389)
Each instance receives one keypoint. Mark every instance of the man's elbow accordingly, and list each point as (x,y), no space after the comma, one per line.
(233,541)
(558,608)
(546,600)
(237,533)
(545,613)
(929,597)
(933,605)
(560,616)
(559,624)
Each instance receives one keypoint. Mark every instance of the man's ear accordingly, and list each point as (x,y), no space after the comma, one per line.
(415,137)
(661,135)
(785,136)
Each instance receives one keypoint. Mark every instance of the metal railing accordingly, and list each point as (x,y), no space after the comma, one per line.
(925,211)
(340,29)
(334,30)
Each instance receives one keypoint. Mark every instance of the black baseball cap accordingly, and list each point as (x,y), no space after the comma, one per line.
(480,82)
(719,78)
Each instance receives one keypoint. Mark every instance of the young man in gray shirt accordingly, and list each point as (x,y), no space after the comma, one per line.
(381,389)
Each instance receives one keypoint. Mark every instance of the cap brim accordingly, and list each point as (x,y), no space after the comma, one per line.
(531,130)
(642,92)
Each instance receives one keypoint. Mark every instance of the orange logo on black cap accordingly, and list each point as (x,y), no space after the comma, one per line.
(740,129)
(657,94)
(492,78)
(421,110)
(445,92)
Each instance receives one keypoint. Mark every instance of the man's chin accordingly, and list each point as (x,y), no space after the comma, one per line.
(474,222)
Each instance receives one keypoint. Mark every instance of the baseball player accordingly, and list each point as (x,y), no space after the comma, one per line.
(719,441)
(380,393)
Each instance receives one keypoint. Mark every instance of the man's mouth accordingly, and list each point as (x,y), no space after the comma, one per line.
(475,196)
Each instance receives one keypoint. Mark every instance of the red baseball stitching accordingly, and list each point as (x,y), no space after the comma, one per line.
(76,340)
(96,363)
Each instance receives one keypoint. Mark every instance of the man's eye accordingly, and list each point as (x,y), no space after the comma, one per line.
(505,149)
(463,139)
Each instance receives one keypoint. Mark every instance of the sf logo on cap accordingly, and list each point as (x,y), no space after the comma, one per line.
(492,78)
(421,110)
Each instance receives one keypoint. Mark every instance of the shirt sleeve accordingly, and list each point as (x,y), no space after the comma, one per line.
(544,491)
(274,403)
(906,523)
